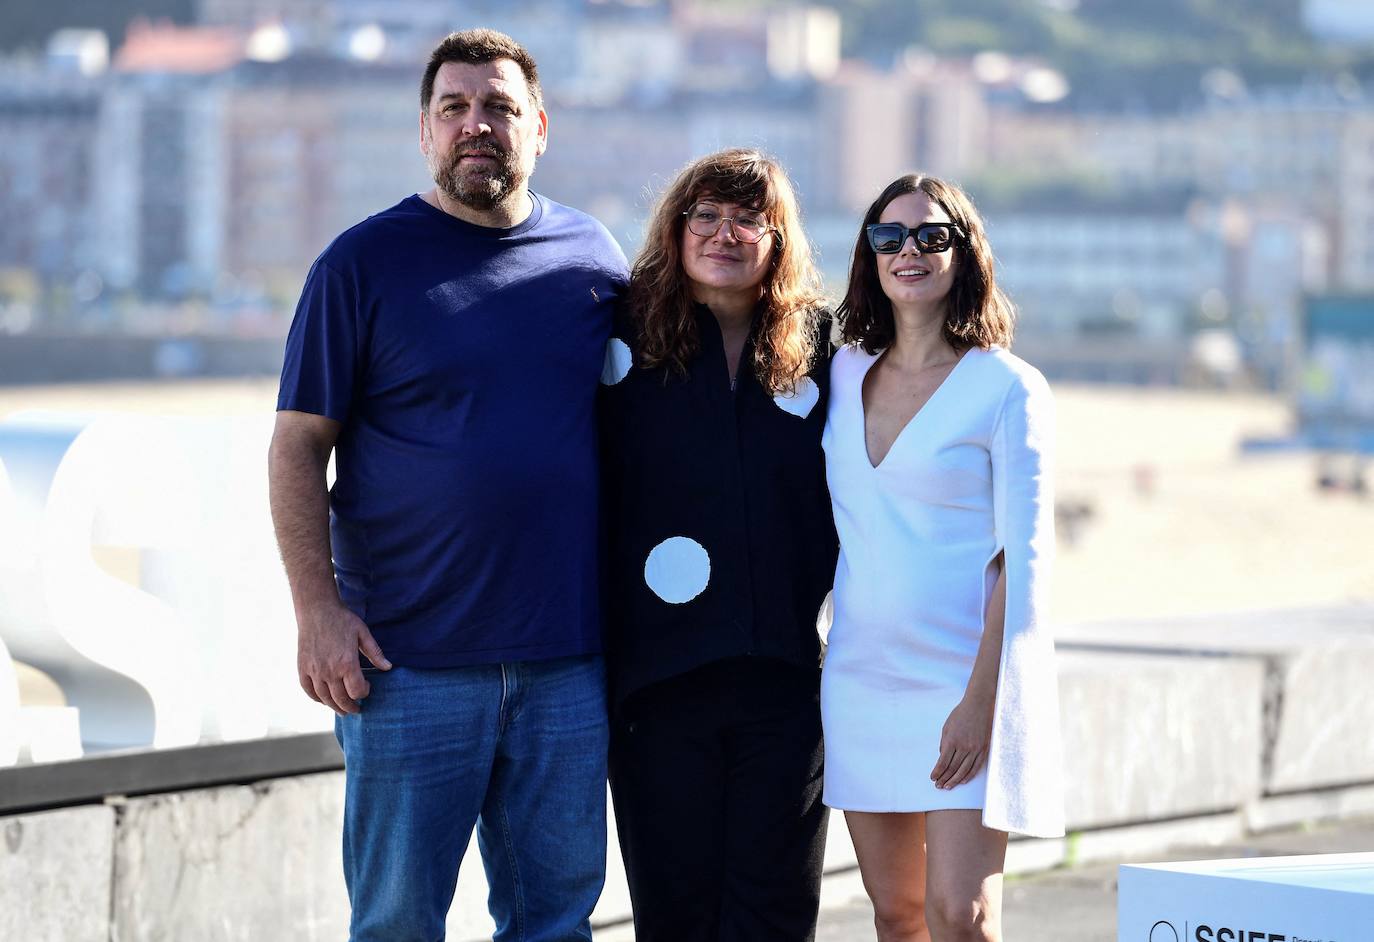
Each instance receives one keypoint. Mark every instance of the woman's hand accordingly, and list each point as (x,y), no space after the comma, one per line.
(964,742)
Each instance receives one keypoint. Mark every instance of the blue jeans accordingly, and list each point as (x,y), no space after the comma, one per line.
(520,750)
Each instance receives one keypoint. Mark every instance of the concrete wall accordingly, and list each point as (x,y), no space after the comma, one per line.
(1315,665)
(1168,732)
(242,863)
(56,879)
(1151,736)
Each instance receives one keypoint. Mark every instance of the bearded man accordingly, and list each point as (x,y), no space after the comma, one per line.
(447,352)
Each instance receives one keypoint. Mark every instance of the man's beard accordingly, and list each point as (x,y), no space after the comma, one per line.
(481,186)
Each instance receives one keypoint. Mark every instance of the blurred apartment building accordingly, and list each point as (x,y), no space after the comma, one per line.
(1309,150)
(190,169)
(1272,193)
(1131,261)
(216,161)
(48,149)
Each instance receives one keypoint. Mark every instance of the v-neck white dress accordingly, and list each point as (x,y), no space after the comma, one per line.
(967,478)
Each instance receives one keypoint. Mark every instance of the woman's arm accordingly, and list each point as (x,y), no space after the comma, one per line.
(966,734)
(1020,449)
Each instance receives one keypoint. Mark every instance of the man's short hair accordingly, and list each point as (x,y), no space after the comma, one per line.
(476,47)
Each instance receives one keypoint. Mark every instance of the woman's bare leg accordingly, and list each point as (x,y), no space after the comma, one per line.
(892,861)
(963,877)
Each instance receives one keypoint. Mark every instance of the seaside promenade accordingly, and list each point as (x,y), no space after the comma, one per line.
(1174,520)
(1215,616)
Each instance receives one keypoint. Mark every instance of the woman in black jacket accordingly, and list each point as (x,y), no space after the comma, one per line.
(720,550)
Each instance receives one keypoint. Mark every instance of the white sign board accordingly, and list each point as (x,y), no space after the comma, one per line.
(1326,898)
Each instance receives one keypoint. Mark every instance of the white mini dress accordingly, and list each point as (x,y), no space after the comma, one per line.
(967,478)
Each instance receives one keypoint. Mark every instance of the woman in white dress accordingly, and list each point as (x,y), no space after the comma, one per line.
(939,694)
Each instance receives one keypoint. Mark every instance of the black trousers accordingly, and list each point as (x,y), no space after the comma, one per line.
(716,779)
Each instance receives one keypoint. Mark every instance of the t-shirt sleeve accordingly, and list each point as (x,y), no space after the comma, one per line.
(320,370)
(617,265)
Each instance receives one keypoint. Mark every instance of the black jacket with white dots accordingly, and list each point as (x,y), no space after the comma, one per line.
(719,539)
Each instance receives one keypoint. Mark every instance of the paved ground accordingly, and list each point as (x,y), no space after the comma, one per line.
(1079,904)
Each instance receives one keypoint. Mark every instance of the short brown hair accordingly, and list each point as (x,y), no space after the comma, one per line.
(660,296)
(476,47)
(977,312)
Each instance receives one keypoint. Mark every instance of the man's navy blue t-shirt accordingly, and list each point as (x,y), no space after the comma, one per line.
(463,363)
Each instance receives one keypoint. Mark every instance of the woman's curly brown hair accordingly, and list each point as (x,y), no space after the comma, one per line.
(660,295)
(977,312)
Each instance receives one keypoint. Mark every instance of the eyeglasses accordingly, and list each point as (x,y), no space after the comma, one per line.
(704,220)
(887,238)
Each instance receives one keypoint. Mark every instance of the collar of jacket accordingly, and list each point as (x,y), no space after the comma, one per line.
(705,318)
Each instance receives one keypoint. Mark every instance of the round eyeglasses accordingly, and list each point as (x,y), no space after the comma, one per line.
(704,220)
(887,238)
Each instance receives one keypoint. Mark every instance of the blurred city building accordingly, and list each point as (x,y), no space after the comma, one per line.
(1131,265)
(185,177)
(48,123)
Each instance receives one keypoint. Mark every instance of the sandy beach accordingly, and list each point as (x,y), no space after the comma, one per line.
(1217,531)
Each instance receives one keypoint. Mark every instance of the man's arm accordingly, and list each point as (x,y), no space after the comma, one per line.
(329,635)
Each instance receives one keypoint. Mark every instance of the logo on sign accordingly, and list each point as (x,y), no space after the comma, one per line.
(1164,931)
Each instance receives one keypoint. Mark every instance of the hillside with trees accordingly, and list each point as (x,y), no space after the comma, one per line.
(1115,53)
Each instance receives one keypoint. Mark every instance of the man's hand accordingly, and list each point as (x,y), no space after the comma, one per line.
(330,638)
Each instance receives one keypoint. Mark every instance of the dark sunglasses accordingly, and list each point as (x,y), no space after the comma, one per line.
(887,238)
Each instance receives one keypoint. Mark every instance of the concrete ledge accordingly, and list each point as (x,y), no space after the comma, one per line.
(1156,736)
(1323,716)
(238,863)
(1151,837)
(262,861)
(1331,804)
(1316,663)
(149,771)
(55,878)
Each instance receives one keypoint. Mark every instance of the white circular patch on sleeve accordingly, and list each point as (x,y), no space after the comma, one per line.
(617,363)
(802,400)
(678,569)
(825,618)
